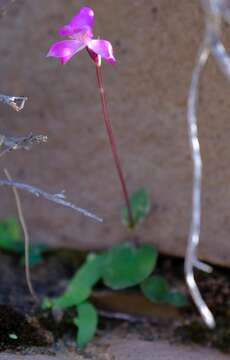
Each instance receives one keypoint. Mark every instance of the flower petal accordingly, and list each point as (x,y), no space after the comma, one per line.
(65,59)
(84,20)
(65,49)
(104,49)
(66,30)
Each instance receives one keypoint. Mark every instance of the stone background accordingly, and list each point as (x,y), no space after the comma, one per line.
(155,42)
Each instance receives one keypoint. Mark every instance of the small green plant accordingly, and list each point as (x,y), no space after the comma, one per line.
(121,267)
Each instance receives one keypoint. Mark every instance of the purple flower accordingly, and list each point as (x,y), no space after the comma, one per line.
(80,31)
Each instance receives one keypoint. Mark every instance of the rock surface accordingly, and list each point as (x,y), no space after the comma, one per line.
(118,349)
(161,350)
(155,43)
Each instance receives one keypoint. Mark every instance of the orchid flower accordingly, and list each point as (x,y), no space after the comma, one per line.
(80,32)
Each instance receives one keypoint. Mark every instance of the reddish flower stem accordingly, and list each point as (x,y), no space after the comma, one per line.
(112,142)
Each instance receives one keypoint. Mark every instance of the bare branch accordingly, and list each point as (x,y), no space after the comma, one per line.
(193,241)
(215,10)
(18,143)
(58,198)
(26,237)
(16,102)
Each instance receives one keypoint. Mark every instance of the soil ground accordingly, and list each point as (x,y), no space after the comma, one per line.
(151,332)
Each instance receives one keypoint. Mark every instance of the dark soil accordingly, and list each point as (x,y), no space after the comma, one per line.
(23,324)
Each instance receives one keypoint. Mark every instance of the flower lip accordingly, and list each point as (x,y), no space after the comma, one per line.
(83,36)
(102,48)
(66,49)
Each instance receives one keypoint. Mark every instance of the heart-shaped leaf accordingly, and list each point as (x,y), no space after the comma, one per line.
(140,205)
(79,287)
(126,265)
(86,322)
(155,288)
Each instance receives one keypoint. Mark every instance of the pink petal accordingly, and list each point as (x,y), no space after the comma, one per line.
(66,30)
(83,20)
(104,49)
(65,49)
(65,59)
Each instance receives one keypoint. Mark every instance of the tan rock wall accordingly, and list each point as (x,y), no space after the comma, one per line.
(155,42)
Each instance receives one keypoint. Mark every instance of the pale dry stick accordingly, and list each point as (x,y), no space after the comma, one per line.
(222,57)
(214,9)
(26,237)
(127,317)
(16,102)
(58,198)
(191,260)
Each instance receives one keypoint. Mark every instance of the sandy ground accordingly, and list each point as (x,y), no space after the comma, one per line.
(117,349)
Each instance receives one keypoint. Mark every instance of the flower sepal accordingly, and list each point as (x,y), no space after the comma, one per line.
(95,57)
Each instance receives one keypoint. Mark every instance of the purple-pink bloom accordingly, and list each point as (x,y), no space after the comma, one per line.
(80,32)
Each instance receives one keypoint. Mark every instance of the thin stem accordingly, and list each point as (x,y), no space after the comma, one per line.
(26,237)
(112,142)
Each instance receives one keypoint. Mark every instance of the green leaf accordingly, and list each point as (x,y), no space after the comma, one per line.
(140,205)
(86,322)
(36,253)
(155,288)
(126,265)
(80,286)
(47,304)
(177,299)
(11,236)
(11,240)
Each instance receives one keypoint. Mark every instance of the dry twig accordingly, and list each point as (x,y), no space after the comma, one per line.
(16,102)
(23,142)
(58,198)
(26,237)
(215,10)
